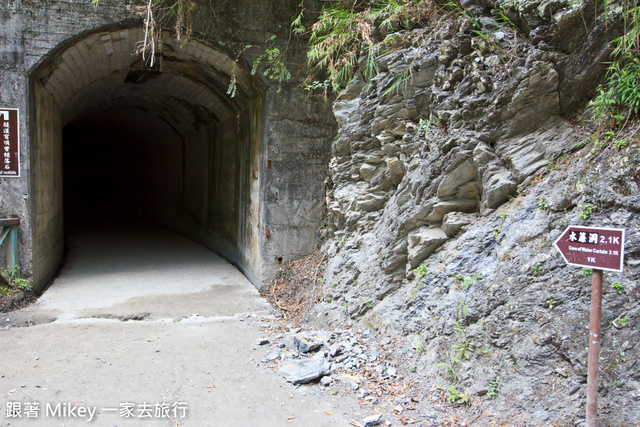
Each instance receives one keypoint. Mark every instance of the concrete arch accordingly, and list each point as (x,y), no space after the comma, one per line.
(164,145)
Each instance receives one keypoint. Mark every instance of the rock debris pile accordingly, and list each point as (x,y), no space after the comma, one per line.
(356,362)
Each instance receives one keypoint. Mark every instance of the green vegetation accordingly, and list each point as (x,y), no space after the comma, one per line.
(14,280)
(463,345)
(621,92)
(420,271)
(461,282)
(537,270)
(617,103)
(456,396)
(345,29)
(622,322)
(275,69)
(420,347)
(492,388)
(587,210)
(450,365)
(617,286)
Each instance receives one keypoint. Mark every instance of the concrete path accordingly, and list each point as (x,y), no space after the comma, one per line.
(140,272)
(148,328)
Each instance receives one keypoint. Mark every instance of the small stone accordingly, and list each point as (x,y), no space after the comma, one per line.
(303,371)
(342,358)
(334,350)
(372,420)
(326,381)
(263,341)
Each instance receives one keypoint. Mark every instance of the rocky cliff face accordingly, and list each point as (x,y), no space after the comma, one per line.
(446,194)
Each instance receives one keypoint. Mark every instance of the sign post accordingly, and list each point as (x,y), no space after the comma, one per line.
(594,348)
(9,131)
(599,249)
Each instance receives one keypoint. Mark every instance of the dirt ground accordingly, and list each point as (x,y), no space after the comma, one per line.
(154,331)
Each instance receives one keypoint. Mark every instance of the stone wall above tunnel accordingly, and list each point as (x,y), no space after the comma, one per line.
(77,56)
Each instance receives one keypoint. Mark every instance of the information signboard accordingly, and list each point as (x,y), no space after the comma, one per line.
(10,166)
(592,247)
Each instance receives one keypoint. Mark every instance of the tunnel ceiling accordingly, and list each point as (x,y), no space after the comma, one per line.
(102,72)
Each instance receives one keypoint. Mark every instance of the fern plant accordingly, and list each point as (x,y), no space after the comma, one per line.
(346,30)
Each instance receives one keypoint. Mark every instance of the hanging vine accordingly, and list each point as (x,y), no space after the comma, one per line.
(156,15)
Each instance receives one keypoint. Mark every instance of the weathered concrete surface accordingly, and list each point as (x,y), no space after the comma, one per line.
(141,272)
(194,342)
(272,141)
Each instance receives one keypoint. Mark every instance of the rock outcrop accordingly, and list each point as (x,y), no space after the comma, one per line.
(447,191)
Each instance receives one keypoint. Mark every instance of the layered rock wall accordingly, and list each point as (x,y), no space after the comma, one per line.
(447,191)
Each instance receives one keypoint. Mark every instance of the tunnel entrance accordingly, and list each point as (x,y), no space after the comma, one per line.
(116,143)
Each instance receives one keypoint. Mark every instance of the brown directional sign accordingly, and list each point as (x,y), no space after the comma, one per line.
(599,248)
(10,165)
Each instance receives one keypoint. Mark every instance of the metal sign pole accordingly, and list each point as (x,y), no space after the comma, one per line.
(594,348)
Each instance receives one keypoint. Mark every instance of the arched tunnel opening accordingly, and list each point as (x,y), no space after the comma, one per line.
(117,144)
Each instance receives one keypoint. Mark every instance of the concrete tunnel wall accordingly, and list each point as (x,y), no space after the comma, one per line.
(249,166)
(140,145)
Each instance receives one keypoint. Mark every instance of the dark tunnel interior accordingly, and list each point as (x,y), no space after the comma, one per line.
(120,167)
